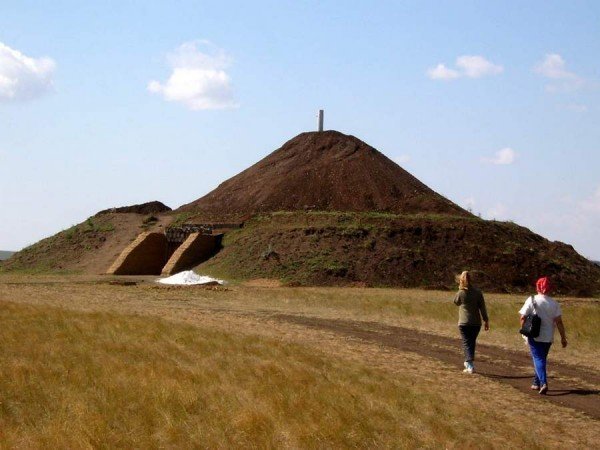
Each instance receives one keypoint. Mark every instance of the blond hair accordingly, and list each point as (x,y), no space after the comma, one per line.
(464,280)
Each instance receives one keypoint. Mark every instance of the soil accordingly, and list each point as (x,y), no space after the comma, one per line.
(408,251)
(324,171)
(512,368)
(154,207)
(392,229)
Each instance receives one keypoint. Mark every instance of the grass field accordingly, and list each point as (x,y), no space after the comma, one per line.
(86,364)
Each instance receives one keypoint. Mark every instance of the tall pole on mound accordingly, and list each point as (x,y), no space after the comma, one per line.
(321,116)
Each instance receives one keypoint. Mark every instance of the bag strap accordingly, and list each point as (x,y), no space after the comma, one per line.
(533,303)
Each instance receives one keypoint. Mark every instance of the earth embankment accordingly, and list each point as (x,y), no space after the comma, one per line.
(399,250)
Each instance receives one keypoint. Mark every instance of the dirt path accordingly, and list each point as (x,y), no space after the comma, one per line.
(569,385)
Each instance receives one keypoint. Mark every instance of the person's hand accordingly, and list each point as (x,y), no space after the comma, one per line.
(486,326)
(563,342)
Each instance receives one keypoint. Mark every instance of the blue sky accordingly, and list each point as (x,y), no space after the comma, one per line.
(492,104)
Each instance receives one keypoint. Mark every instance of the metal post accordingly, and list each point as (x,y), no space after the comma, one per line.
(321,117)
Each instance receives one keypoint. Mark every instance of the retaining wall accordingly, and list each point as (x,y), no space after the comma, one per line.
(146,255)
(195,249)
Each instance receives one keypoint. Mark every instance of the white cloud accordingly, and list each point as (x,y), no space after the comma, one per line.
(554,67)
(469,66)
(198,78)
(503,156)
(23,77)
(441,72)
(477,66)
(402,159)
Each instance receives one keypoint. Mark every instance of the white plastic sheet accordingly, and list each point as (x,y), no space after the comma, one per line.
(188,277)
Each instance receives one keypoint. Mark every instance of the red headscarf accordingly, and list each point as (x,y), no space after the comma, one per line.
(543,285)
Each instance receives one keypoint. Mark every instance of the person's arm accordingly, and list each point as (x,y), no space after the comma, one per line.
(524,311)
(561,330)
(458,299)
(484,314)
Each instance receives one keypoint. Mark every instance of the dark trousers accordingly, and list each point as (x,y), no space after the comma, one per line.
(469,335)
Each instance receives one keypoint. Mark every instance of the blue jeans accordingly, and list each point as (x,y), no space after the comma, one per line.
(539,354)
(469,335)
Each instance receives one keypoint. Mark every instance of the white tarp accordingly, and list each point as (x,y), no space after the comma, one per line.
(188,277)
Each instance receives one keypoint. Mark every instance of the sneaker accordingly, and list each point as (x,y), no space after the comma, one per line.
(544,389)
(468,368)
(535,387)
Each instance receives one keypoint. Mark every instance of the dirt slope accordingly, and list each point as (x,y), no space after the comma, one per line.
(328,209)
(399,250)
(154,207)
(89,247)
(327,171)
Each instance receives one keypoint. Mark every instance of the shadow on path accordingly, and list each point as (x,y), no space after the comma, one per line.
(559,392)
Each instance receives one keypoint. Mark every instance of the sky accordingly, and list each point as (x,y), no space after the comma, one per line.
(493,104)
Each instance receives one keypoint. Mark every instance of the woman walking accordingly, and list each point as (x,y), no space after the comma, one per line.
(550,314)
(471,310)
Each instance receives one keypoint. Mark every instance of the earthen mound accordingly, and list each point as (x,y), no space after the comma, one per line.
(89,247)
(328,209)
(325,171)
(154,207)
(369,249)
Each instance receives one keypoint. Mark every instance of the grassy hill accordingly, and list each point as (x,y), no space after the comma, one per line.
(373,249)
(88,247)
(328,209)
(334,248)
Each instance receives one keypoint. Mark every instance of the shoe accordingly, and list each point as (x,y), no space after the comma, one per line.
(535,387)
(544,389)
(468,368)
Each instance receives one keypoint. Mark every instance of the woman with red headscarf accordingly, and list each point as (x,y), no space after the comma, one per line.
(550,314)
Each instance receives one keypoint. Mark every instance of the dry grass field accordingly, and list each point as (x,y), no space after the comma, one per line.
(84,363)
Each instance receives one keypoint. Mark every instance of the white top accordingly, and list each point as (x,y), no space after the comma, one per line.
(548,309)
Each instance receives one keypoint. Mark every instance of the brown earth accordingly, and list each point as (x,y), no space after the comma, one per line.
(154,207)
(327,171)
(369,222)
(399,250)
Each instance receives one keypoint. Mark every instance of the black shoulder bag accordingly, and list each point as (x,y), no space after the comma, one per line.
(532,324)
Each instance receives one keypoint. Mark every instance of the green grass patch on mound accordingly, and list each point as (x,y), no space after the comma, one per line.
(73,380)
(352,219)
(47,255)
